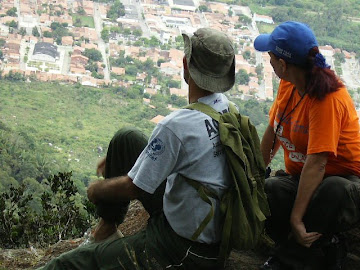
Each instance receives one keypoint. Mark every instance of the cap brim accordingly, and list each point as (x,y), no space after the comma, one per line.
(187,48)
(262,43)
(213,84)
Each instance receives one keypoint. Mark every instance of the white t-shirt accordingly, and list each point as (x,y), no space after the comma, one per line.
(186,142)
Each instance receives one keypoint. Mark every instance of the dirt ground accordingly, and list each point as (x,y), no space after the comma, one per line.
(136,219)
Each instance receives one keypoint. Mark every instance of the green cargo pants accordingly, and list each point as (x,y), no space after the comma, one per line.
(334,208)
(156,247)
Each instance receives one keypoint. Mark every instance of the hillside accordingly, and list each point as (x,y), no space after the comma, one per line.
(71,124)
(334,22)
(67,127)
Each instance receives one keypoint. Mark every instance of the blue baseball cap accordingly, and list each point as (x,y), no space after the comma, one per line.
(290,41)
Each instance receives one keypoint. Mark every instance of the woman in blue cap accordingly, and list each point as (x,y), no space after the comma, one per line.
(314,120)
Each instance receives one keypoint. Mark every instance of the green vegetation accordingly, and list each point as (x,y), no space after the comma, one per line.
(43,213)
(334,22)
(94,56)
(83,21)
(13,25)
(71,123)
(203,8)
(242,77)
(47,128)
(59,30)
(116,10)
(12,12)
(35,32)
(70,126)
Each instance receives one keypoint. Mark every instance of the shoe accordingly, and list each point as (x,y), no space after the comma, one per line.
(273,263)
(335,253)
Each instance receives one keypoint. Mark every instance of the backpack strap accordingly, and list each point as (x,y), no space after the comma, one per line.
(203,191)
(232,108)
(205,194)
(210,111)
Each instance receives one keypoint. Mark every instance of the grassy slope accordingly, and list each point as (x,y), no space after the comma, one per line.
(76,120)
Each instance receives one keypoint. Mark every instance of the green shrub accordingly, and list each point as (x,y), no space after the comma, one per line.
(64,214)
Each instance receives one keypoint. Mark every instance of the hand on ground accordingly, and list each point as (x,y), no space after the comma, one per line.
(303,237)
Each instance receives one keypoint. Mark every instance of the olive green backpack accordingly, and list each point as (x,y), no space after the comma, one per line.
(244,205)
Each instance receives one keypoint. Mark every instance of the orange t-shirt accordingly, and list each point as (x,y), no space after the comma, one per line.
(314,126)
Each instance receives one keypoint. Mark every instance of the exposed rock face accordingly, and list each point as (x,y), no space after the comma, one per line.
(31,258)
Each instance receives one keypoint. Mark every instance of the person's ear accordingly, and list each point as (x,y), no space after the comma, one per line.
(283,65)
(185,63)
(186,70)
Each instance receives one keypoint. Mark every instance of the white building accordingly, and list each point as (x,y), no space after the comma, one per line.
(263,18)
(44,51)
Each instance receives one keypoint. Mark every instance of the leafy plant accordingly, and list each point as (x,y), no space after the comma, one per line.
(64,214)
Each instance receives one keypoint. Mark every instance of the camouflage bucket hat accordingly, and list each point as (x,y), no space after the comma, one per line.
(211,59)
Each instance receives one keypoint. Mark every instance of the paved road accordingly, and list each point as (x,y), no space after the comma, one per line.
(137,4)
(101,44)
(258,55)
(66,60)
(351,74)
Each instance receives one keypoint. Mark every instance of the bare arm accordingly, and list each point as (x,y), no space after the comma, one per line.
(113,190)
(267,143)
(311,176)
(100,169)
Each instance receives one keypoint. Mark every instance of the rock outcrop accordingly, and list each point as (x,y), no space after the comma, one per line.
(31,258)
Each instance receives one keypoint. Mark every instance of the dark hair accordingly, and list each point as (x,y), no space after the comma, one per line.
(320,81)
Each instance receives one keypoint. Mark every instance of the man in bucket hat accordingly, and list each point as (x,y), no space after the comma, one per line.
(185,144)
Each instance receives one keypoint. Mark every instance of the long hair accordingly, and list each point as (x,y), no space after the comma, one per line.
(320,80)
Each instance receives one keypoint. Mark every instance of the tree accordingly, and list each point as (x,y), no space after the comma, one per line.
(92,66)
(12,12)
(178,101)
(340,57)
(246,54)
(61,212)
(12,24)
(244,19)
(2,42)
(173,84)
(148,64)
(22,31)
(93,54)
(137,32)
(152,42)
(47,34)
(203,8)
(131,70)
(81,11)
(55,25)
(77,22)
(15,76)
(127,31)
(242,77)
(259,69)
(105,34)
(35,32)
(116,10)
(160,61)
(60,32)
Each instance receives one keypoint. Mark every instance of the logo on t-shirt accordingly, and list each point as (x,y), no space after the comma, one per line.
(155,148)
